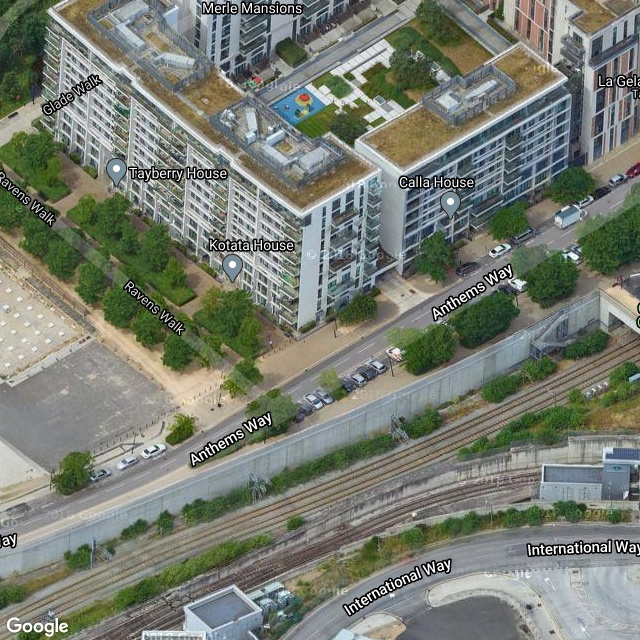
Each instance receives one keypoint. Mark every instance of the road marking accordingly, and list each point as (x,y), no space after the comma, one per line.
(615,203)
(44,506)
(422,314)
(146,473)
(341,361)
(295,388)
(84,499)
(567,233)
(112,489)
(365,348)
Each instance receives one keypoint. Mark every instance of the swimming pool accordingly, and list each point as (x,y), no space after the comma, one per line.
(298,106)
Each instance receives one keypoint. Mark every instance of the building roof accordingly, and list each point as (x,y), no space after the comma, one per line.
(609,454)
(200,99)
(421,131)
(222,607)
(594,15)
(572,473)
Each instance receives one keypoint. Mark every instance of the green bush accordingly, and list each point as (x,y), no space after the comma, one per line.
(305,328)
(539,369)
(294,522)
(534,516)
(512,518)
(377,85)
(360,309)
(293,54)
(165,522)
(594,342)
(137,594)
(614,516)
(349,76)
(424,424)
(499,388)
(78,559)
(576,397)
(183,427)
(139,527)
(12,593)
(622,373)
(92,171)
(76,158)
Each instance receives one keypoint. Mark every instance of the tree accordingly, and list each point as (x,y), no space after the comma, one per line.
(361,308)
(74,472)
(111,215)
(84,211)
(330,381)
(175,274)
(410,68)
(155,247)
(119,307)
(552,280)
(509,221)
(224,311)
(36,237)
(246,373)
(12,212)
(248,340)
(129,239)
(177,353)
(92,283)
(148,328)
(10,87)
(571,185)
(484,319)
(281,408)
(38,149)
(436,254)
(523,259)
(62,259)
(183,427)
(434,347)
(435,23)
(348,126)
(165,522)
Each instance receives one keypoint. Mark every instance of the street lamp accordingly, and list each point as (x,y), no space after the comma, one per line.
(393,375)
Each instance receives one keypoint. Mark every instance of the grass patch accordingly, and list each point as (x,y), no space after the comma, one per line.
(495,25)
(53,189)
(323,80)
(292,53)
(336,84)
(319,123)
(408,37)
(378,85)
(378,122)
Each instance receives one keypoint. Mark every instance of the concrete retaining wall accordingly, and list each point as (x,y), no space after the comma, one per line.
(221,477)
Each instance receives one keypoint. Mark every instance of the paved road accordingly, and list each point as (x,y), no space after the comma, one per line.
(123,483)
(486,553)
(372,33)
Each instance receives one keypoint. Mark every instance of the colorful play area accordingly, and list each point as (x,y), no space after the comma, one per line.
(298,105)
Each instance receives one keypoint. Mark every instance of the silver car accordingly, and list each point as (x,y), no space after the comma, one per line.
(325,396)
(314,401)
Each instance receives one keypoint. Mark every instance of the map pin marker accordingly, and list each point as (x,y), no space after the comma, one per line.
(116,168)
(450,202)
(232,266)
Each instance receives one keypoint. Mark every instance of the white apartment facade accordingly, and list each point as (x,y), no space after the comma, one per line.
(320,196)
(588,40)
(505,126)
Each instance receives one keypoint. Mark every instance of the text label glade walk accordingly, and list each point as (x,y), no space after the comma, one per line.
(36,207)
(167,318)
(67,97)
(211,448)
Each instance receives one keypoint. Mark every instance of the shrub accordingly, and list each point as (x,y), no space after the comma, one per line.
(361,308)
(424,424)
(293,54)
(512,518)
(165,522)
(576,397)
(11,593)
(294,522)
(499,388)
(139,527)
(534,516)
(183,427)
(539,369)
(622,373)
(614,516)
(92,171)
(594,342)
(78,559)
(349,76)
(307,327)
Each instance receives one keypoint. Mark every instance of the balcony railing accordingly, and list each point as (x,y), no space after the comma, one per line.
(343,216)
(342,238)
(572,50)
(338,263)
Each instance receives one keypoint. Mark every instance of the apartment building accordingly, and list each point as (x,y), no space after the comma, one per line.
(237,42)
(590,41)
(502,131)
(162,104)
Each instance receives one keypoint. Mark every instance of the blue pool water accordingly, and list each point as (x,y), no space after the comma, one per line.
(292,112)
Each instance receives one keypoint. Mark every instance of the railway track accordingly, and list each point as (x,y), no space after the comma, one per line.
(268,516)
(165,612)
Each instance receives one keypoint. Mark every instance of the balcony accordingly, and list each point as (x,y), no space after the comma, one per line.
(335,264)
(572,50)
(374,198)
(612,52)
(251,41)
(290,305)
(289,286)
(465,168)
(341,239)
(337,289)
(348,214)
(513,142)
(487,205)
(370,269)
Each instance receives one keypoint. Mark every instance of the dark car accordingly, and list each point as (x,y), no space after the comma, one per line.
(633,171)
(306,407)
(348,385)
(600,192)
(300,416)
(368,372)
(508,290)
(521,238)
(467,268)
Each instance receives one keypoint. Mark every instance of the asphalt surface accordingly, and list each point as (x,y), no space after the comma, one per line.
(55,507)
(483,553)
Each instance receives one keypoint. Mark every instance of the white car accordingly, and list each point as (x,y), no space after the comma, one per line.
(314,401)
(378,366)
(576,258)
(395,353)
(500,250)
(98,474)
(153,450)
(127,462)
(585,202)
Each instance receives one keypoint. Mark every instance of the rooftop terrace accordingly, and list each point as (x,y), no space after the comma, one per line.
(421,130)
(596,15)
(131,33)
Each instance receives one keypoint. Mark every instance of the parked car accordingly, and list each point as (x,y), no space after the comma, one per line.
(500,250)
(378,366)
(358,379)
(571,255)
(507,290)
(313,399)
(396,354)
(368,372)
(519,285)
(300,416)
(325,396)
(467,268)
(633,171)
(600,192)
(153,450)
(576,248)
(617,180)
(521,238)
(348,385)
(585,202)
(98,474)
(127,462)
(306,407)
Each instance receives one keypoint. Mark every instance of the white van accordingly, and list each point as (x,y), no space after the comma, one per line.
(519,285)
